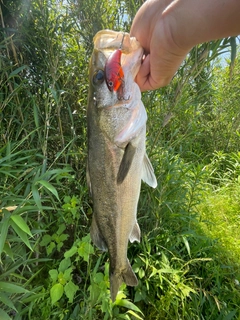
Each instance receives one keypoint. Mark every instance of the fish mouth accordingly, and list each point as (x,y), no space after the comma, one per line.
(107,41)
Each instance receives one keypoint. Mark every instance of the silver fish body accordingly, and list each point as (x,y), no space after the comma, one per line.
(117,161)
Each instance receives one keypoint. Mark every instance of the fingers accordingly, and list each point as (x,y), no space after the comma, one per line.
(148,80)
(156,72)
(149,77)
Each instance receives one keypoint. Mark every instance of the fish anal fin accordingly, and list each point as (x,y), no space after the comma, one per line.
(96,236)
(116,279)
(135,234)
(126,162)
(148,175)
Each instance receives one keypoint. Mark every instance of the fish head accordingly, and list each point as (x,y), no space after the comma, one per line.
(105,42)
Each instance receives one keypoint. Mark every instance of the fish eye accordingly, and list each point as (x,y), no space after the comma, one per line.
(98,77)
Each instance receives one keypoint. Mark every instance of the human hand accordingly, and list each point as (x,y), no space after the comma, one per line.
(168,29)
(163,55)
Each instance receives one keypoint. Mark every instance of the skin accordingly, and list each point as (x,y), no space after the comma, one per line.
(167,30)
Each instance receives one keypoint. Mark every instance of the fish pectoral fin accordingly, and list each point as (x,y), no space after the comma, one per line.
(116,279)
(135,234)
(148,175)
(96,236)
(126,162)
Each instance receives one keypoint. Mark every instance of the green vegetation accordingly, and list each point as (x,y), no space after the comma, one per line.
(188,260)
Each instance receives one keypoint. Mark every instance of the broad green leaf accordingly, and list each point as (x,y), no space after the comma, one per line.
(68,274)
(21,224)
(32,297)
(21,234)
(35,114)
(50,247)
(4,229)
(185,240)
(128,304)
(7,301)
(49,187)
(98,277)
(45,240)
(63,237)
(64,264)
(61,228)
(231,315)
(85,248)
(16,71)
(11,288)
(70,252)
(4,315)
(135,315)
(56,292)
(54,275)
(8,250)
(36,197)
(70,290)
(61,278)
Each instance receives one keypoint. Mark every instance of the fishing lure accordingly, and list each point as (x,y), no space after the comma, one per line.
(113,70)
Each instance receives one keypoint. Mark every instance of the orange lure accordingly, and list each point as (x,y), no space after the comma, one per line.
(113,70)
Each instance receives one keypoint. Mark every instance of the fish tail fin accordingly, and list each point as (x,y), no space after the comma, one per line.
(116,279)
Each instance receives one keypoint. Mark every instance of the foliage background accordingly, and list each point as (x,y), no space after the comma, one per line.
(188,260)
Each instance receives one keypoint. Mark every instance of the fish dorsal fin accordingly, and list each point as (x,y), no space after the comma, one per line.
(126,162)
(148,175)
(135,234)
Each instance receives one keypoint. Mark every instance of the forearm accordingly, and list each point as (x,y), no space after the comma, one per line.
(198,21)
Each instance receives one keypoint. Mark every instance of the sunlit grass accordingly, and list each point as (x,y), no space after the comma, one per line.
(220,218)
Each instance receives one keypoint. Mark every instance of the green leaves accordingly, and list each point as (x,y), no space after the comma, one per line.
(58,289)
(22,235)
(85,248)
(70,290)
(4,315)
(56,292)
(43,185)
(7,289)
(132,308)
(54,241)
(11,288)
(17,71)
(4,225)
(20,222)
(62,282)
(48,186)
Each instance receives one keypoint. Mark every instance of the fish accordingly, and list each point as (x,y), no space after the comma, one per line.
(117,159)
